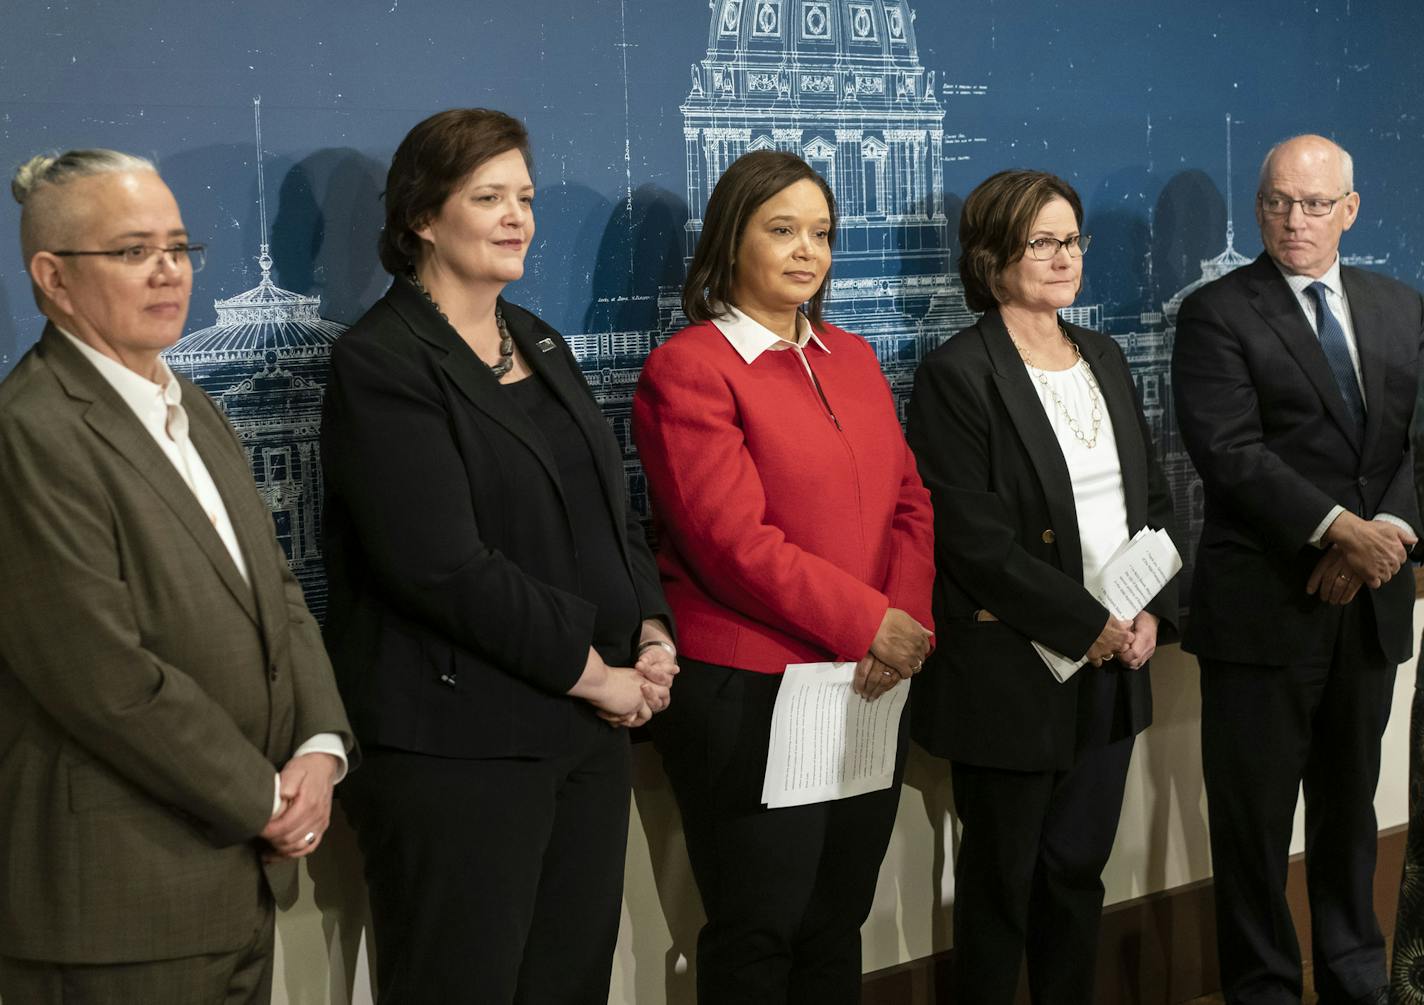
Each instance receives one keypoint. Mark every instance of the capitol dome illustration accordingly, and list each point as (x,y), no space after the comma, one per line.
(265,363)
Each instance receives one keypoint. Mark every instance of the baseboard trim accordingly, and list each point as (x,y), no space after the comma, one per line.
(1159,949)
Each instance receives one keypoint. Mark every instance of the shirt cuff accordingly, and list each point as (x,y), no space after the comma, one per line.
(1318,538)
(322,743)
(326,743)
(1399,522)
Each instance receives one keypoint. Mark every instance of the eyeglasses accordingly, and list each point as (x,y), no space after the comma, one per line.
(1279,205)
(140,256)
(1044,248)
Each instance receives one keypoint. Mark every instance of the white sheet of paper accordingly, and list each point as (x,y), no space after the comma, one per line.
(826,741)
(1130,579)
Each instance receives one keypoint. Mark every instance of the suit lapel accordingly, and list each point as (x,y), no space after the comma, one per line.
(1036,433)
(114,422)
(1371,344)
(250,516)
(469,373)
(1119,397)
(1278,307)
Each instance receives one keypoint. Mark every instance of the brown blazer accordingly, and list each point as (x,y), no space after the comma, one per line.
(147,694)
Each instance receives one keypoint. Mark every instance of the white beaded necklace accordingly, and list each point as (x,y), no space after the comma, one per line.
(1074,426)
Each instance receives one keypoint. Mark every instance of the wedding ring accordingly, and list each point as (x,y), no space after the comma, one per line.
(886,673)
(311,837)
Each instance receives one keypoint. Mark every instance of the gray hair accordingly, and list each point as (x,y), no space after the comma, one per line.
(37,183)
(1347,163)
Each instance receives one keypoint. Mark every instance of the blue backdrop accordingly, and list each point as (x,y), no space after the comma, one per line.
(634,108)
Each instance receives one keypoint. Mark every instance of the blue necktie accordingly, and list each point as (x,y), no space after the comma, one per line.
(1337,354)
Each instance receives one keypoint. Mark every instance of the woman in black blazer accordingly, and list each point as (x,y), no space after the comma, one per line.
(495,612)
(1028,433)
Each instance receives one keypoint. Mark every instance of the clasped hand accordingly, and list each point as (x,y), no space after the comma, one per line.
(1120,638)
(306,784)
(1361,553)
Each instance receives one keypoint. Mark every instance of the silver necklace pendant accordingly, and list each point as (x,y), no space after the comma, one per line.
(505,362)
(1074,426)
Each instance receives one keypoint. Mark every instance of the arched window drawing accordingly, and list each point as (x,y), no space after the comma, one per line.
(873,153)
(820,153)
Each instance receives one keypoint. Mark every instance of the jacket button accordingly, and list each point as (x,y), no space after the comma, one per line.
(1048,536)
(272,673)
(1364,482)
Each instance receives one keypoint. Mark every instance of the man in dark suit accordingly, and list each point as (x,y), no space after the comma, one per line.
(1295,384)
(168,717)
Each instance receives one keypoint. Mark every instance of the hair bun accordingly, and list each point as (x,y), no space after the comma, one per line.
(29,175)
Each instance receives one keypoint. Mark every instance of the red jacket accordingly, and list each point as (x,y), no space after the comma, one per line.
(787,525)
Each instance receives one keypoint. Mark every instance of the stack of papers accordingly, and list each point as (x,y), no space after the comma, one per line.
(827,742)
(1130,579)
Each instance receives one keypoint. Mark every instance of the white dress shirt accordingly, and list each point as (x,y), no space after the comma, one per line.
(1095,472)
(1339,305)
(159,408)
(751,338)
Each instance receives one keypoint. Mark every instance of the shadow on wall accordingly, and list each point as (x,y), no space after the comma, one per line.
(1116,272)
(639,253)
(328,219)
(339,891)
(9,343)
(664,974)
(1189,224)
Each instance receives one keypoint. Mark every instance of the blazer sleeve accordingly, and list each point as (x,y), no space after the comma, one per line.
(389,451)
(318,703)
(712,505)
(1219,414)
(910,585)
(976,541)
(72,637)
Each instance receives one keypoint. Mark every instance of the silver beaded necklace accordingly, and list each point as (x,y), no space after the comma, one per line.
(506,343)
(1074,426)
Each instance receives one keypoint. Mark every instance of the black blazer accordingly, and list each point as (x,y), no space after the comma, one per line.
(1265,425)
(455,620)
(1006,540)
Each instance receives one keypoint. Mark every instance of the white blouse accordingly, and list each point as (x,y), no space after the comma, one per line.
(1095,471)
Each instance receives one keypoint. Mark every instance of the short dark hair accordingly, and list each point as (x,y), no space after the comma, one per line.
(751,180)
(994,226)
(435,157)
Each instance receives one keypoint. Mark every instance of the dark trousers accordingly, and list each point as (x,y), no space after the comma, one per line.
(240,977)
(1266,731)
(1028,875)
(785,890)
(494,881)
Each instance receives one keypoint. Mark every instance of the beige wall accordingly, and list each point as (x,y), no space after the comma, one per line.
(1162,843)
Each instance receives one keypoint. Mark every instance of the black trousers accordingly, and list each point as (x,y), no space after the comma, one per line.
(1028,875)
(1266,732)
(785,890)
(494,881)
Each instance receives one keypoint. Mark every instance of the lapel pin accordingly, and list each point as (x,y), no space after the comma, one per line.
(545,345)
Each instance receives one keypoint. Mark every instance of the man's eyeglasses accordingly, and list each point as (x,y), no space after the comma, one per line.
(1279,205)
(1044,248)
(145,255)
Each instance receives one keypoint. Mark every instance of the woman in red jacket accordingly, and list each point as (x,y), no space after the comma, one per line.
(794,528)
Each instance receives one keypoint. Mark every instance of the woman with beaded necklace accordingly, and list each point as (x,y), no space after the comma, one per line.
(495,614)
(1029,435)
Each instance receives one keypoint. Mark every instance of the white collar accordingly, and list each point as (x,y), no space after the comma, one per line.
(1331,279)
(139,393)
(751,338)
